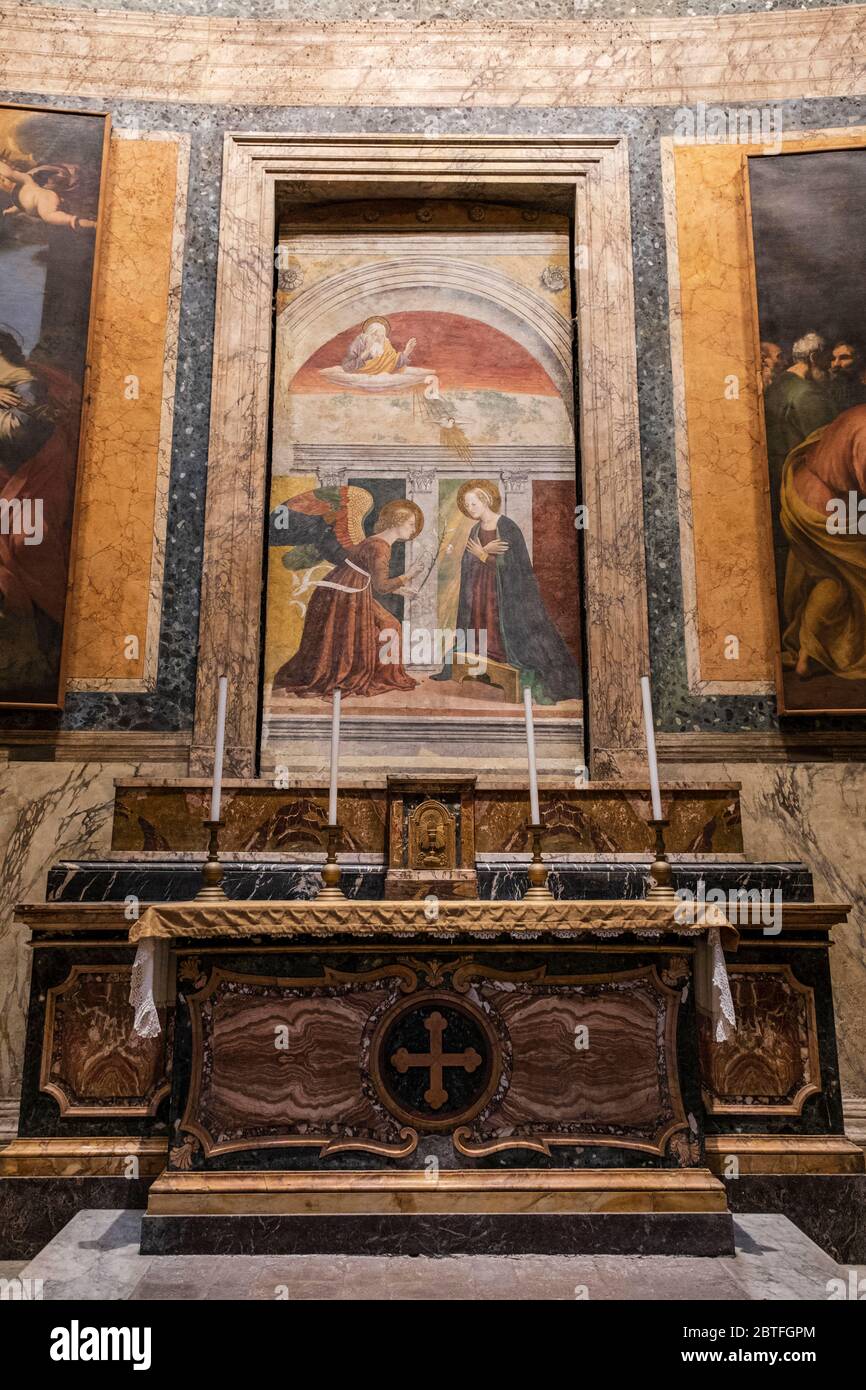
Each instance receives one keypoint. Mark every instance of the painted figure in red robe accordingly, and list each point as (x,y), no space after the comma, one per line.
(342,640)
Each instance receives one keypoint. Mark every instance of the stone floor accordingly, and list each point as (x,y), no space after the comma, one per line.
(96,1257)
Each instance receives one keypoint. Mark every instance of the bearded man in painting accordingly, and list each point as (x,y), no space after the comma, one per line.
(772,363)
(825,578)
(847,370)
(38,416)
(797,403)
(372,352)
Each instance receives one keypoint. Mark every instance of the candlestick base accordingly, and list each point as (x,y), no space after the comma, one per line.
(661,874)
(212,870)
(331,891)
(538,890)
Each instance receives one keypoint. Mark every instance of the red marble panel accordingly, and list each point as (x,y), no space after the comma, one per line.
(613,1080)
(93,1062)
(315,1079)
(772,1061)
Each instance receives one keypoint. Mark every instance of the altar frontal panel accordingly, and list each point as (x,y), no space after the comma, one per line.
(490,1057)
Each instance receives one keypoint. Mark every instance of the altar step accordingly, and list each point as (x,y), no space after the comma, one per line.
(497,1211)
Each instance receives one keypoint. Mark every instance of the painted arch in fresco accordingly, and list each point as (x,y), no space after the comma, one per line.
(422,547)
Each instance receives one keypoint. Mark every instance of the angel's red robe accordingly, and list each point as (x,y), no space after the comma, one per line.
(342,643)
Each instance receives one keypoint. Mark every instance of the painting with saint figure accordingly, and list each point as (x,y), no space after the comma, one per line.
(422,550)
(807,213)
(51,177)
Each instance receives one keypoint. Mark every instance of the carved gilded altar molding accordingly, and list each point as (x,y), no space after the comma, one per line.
(562,919)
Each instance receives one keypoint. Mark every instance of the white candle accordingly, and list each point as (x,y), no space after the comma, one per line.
(530,752)
(219,749)
(335,759)
(651,747)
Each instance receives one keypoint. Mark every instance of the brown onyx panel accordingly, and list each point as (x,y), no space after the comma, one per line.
(283,1062)
(366,1060)
(315,1078)
(92,1061)
(771,1065)
(267,820)
(614,1084)
(614,1080)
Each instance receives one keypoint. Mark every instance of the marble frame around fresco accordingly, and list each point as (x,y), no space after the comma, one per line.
(593,173)
(784,708)
(105,118)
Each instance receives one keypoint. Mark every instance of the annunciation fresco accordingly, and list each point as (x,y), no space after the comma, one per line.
(422,545)
(808,212)
(51,173)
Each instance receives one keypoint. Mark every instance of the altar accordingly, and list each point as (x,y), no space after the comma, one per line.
(527,1071)
(433,1075)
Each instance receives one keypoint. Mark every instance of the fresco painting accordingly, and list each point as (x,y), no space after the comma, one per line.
(423,457)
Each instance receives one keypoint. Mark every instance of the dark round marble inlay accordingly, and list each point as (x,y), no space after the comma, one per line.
(433,1060)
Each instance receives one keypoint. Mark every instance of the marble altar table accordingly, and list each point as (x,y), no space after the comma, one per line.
(281,1103)
(346,1076)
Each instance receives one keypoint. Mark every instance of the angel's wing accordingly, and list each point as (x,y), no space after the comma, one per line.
(319,525)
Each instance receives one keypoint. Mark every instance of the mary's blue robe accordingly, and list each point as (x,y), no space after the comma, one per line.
(531,641)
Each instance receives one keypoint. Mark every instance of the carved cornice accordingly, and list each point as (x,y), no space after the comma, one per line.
(389,918)
(96,745)
(634,61)
(770,746)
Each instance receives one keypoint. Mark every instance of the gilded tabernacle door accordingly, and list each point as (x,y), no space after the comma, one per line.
(422,538)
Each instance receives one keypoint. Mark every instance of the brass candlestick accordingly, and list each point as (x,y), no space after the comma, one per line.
(661,874)
(212,870)
(538,890)
(331,891)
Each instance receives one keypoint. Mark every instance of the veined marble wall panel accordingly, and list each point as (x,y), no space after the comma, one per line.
(815,812)
(120,542)
(156,57)
(520,11)
(721,453)
(47,811)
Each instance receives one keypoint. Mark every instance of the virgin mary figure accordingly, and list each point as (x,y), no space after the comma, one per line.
(499,594)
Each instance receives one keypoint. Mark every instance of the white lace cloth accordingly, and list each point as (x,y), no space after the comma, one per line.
(713,988)
(149,987)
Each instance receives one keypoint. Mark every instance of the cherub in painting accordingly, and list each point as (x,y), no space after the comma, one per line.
(37,194)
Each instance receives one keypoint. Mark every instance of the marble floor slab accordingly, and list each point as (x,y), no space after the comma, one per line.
(96,1256)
